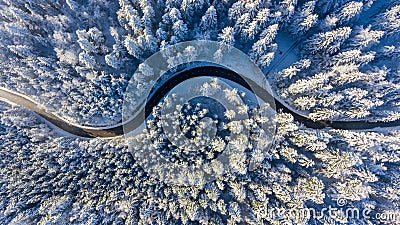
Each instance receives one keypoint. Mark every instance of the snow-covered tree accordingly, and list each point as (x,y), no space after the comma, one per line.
(148,15)
(295,68)
(209,20)
(364,37)
(266,58)
(343,14)
(189,7)
(303,19)
(250,31)
(329,41)
(242,22)
(180,29)
(227,36)
(346,12)
(235,11)
(352,56)
(262,18)
(287,7)
(258,23)
(161,34)
(129,18)
(389,20)
(92,41)
(132,47)
(391,52)
(22,50)
(87,60)
(265,41)
(172,16)
(148,44)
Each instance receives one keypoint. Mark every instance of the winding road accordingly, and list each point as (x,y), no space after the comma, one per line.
(277,64)
(135,122)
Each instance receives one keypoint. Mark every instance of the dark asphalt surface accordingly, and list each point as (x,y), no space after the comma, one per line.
(212,71)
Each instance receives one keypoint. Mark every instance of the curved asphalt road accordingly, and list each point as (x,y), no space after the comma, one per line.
(133,123)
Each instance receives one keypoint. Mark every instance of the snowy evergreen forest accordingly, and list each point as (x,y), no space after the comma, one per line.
(326,59)
(344,66)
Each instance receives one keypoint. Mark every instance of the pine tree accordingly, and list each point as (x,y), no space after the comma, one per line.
(236,11)
(266,38)
(391,52)
(227,36)
(389,21)
(265,59)
(262,18)
(344,14)
(72,5)
(132,47)
(262,51)
(148,15)
(303,19)
(259,22)
(189,7)
(180,29)
(250,31)
(209,20)
(174,15)
(287,8)
(352,56)
(365,37)
(149,44)
(242,22)
(348,11)
(295,68)
(169,4)
(129,19)
(87,60)
(113,61)
(161,34)
(329,41)
(22,51)
(305,103)
(91,41)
